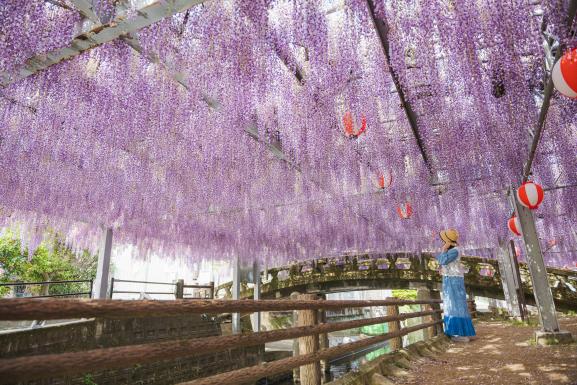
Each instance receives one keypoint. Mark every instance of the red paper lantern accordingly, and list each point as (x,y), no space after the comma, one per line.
(385,180)
(514,225)
(565,74)
(405,210)
(530,195)
(350,131)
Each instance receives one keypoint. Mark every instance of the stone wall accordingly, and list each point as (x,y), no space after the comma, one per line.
(102,333)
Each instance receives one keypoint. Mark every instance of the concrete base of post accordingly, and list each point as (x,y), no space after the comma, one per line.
(553,338)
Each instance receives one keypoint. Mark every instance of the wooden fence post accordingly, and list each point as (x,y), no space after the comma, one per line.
(394,326)
(179,292)
(324,343)
(424,293)
(472,306)
(309,374)
(296,370)
(438,330)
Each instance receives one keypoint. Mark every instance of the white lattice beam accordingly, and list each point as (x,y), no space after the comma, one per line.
(99,35)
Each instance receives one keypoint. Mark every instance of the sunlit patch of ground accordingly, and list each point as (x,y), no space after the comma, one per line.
(502,355)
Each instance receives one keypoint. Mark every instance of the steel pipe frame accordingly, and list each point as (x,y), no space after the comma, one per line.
(548,93)
(383,31)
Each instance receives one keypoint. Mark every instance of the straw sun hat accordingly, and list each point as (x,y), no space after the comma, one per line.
(450,236)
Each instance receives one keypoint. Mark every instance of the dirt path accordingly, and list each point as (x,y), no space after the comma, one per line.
(503,354)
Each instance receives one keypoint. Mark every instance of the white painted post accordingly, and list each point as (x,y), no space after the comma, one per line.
(100,288)
(236,329)
(508,280)
(537,268)
(256,295)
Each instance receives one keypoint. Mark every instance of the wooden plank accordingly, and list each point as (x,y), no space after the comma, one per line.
(15,309)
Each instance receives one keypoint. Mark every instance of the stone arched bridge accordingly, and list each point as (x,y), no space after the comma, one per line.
(398,271)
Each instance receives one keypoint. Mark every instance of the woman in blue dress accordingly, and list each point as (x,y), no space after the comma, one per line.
(458,323)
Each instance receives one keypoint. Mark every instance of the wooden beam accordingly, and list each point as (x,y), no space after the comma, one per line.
(99,35)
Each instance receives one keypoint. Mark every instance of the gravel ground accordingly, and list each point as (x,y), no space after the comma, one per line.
(503,354)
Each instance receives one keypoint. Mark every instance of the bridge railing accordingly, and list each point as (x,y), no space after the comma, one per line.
(482,275)
(308,330)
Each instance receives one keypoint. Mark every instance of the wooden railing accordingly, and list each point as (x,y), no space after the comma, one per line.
(308,330)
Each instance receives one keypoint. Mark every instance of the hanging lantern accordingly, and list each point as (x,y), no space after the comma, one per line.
(350,131)
(564,74)
(405,210)
(385,180)
(530,195)
(514,225)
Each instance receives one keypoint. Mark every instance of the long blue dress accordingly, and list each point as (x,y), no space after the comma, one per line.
(456,313)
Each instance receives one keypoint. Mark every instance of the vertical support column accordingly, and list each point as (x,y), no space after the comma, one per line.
(236,294)
(518,282)
(394,326)
(179,290)
(256,295)
(211,290)
(438,330)
(423,294)
(296,371)
(324,343)
(508,280)
(471,305)
(537,268)
(103,267)
(309,374)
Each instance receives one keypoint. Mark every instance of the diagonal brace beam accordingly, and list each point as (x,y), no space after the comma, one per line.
(99,35)
(383,31)
(546,101)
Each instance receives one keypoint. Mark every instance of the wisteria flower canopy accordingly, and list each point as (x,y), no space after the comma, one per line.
(283,130)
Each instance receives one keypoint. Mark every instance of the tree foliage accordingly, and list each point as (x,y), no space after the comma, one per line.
(53,260)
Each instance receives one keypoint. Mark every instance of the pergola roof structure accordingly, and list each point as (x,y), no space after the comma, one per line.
(212,129)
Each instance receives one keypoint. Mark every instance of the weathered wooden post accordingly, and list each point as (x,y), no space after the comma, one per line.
(394,326)
(179,291)
(472,306)
(324,342)
(435,294)
(296,371)
(424,294)
(309,374)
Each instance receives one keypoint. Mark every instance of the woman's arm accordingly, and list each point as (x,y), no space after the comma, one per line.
(448,256)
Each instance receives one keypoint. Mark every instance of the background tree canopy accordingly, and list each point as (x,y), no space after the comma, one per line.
(53,260)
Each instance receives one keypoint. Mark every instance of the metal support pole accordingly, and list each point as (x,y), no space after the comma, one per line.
(536,264)
(103,268)
(508,280)
(236,294)
(256,295)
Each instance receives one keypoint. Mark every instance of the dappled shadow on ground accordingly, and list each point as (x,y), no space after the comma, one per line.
(503,354)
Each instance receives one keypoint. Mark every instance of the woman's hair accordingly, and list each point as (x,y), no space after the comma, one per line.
(451,247)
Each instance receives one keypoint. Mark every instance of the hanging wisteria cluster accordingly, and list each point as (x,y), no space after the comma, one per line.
(223,134)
